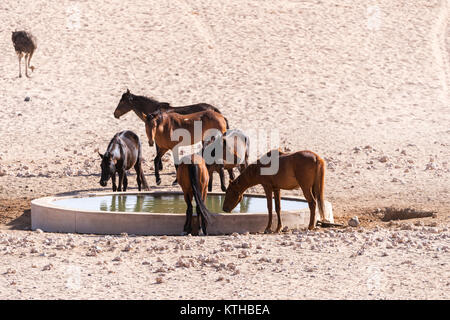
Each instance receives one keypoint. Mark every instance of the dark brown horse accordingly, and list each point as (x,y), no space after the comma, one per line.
(303,169)
(162,128)
(124,152)
(142,105)
(192,175)
(227,151)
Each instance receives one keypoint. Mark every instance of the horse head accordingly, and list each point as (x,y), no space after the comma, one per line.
(125,104)
(108,168)
(152,120)
(232,197)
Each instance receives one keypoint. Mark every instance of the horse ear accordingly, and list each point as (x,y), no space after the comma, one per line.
(101,156)
(128,91)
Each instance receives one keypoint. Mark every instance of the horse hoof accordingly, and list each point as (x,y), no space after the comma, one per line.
(158,182)
(224,189)
(267,231)
(175,183)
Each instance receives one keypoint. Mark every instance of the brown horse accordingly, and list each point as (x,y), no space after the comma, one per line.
(226,151)
(192,175)
(142,105)
(303,169)
(124,152)
(161,126)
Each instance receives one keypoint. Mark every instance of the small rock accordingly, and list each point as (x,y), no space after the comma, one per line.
(27,99)
(353,222)
(47,267)
(383,159)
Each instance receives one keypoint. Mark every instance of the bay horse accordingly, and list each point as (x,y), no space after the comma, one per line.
(303,169)
(142,105)
(192,175)
(160,126)
(226,151)
(123,152)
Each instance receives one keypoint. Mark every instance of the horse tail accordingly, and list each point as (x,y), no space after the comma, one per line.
(226,121)
(247,150)
(143,179)
(195,183)
(318,186)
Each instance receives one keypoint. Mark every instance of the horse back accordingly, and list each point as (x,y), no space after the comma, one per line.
(131,148)
(194,108)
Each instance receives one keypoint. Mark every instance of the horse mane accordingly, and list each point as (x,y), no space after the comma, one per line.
(115,140)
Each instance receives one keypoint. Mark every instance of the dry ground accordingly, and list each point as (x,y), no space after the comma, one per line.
(364,85)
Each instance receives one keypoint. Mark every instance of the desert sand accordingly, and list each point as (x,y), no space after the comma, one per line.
(365,85)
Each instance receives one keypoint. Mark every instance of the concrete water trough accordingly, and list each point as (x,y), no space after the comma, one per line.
(159,213)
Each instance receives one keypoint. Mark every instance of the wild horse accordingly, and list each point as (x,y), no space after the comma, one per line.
(142,105)
(123,152)
(303,169)
(161,126)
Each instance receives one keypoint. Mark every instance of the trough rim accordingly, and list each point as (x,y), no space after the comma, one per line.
(47,202)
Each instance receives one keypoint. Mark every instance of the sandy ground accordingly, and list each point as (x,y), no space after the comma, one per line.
(365,85)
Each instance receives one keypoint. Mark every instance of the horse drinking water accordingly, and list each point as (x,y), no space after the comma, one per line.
(303,169)
(226,151)
(124,152)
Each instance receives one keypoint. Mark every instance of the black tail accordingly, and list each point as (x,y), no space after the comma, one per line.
(226,120)
(201,208)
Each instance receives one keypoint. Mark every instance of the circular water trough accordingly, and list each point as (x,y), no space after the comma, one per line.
(93,214)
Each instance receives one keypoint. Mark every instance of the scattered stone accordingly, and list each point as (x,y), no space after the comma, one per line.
(383,159)
(353,222)
(10,271)
(47,267)
(27,99)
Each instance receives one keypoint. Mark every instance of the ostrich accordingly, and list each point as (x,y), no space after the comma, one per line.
(24,44)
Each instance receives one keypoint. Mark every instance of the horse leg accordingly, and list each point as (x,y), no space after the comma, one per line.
(120,172)
(156,162)
(277,196)
(312,207)
(160,165)
(222,179)
(137,168)
(231,173)
(188,223)
(268,192)
(125,180)
(113,180)
(175,182)
(210,183)
(140,173)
